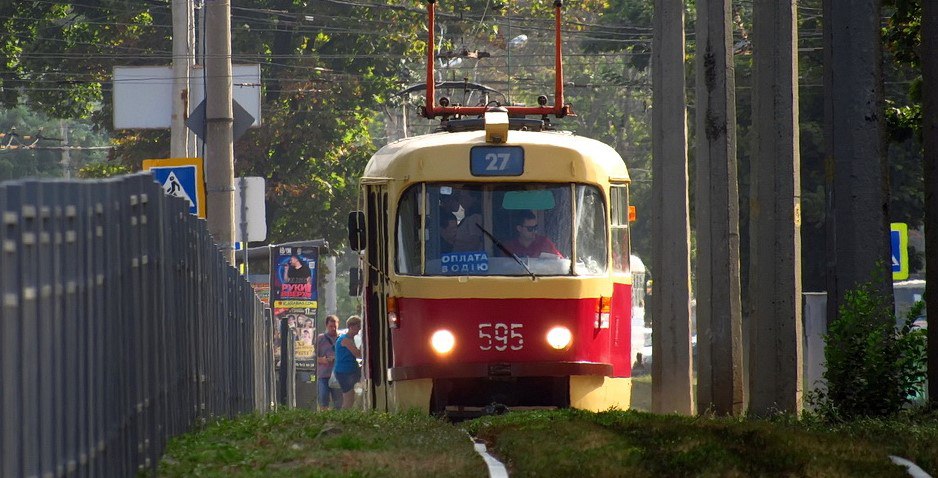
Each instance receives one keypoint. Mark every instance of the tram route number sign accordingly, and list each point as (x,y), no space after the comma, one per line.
(496,161)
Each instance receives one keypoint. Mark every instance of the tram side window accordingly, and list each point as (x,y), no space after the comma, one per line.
(619,198)
(591,255)
(408,232)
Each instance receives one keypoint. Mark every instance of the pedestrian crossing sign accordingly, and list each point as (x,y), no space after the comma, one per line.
(899,242)
(182,178)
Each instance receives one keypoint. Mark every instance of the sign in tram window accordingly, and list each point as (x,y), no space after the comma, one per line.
(496,161)
(464,263)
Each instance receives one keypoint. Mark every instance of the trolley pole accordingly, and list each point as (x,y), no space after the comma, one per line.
(219,144)
(719,334)
(671,369)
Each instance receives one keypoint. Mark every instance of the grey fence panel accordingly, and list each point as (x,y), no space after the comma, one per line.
(29,385)
(71,320)
(10,332)
(122,326)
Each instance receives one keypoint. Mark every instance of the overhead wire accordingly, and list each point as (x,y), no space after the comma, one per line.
(117,52)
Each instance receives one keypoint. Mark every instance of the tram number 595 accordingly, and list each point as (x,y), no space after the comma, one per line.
(500,336)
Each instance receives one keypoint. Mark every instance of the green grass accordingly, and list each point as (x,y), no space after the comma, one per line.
(617,443)
(565,443)
(300,443)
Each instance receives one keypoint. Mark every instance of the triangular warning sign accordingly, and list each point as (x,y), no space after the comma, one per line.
(173,187)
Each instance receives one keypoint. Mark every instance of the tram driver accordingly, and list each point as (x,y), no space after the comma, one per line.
(527,242)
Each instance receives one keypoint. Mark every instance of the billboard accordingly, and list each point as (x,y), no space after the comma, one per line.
(142,94)
(294,295)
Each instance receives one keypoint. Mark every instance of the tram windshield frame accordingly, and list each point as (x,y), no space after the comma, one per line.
(476,229)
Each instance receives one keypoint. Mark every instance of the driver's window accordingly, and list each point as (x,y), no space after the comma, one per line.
(408,232)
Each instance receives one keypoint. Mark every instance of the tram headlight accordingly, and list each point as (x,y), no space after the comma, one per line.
(443,341)
(559,338)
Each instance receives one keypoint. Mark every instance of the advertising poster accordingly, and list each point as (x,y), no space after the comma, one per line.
(294,296)
(261,285)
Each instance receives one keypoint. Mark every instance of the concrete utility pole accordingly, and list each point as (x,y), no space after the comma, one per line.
(182,60)
(671,369)
(66,151)
(719,335)
(930,163)
(219,144)
(857,220)
(775,353)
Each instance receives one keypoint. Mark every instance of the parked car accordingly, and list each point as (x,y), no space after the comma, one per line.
(906,294)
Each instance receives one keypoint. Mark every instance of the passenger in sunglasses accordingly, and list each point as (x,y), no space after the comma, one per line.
(527,242)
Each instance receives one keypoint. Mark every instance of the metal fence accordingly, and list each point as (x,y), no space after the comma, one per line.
(121,326)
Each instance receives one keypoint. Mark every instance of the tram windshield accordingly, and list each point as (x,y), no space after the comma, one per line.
(501,229)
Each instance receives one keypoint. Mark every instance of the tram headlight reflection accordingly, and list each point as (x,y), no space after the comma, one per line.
(559,338)
(443,341)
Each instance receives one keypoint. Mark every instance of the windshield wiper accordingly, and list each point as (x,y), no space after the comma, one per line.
(505,249)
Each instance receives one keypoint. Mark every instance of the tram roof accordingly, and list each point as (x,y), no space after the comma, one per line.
(444,156)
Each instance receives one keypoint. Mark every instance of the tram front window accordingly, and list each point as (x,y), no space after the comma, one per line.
(476,229)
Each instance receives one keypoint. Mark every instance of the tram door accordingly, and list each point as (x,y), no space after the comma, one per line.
(376,334)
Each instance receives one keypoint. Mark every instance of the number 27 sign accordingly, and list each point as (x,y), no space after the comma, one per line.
(496,161)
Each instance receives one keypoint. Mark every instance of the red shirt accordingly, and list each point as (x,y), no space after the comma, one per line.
(539,245)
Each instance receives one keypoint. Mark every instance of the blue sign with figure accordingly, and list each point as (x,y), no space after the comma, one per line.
(899,245)
(182,178)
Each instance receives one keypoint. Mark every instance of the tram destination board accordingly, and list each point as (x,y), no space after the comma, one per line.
(496,161)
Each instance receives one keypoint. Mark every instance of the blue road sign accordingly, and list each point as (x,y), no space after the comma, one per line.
(899,241)
(182,178)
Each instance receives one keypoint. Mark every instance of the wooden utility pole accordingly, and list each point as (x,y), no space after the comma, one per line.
(857,222)
(671,369)
(930,163)
(183,40)
(775,353)
(219,144)
(719,334)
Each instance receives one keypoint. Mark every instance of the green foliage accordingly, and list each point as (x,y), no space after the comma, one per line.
(31,142)
(902,33)
(102,170)
(874,369)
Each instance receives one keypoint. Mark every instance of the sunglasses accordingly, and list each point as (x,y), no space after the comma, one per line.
(530,228)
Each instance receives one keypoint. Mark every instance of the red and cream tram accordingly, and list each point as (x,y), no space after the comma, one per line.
(495,267)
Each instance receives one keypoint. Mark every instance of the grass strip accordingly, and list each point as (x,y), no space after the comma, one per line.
(636,444)
(300,443)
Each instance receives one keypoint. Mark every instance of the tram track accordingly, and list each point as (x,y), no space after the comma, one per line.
(496,468)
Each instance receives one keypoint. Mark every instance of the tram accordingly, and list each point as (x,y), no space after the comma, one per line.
(495,265)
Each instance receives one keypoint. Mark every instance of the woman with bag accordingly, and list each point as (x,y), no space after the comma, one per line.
(325,358)
(347,371)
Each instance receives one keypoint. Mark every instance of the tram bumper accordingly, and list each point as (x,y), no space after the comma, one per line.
(497,370)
